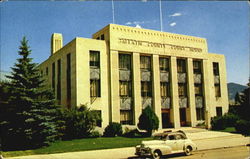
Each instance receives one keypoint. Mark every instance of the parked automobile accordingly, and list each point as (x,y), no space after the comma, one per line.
(166,143)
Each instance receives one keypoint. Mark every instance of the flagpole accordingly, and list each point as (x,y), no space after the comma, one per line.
(161,16)
(113,11)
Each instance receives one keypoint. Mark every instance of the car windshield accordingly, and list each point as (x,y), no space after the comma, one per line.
(159,137)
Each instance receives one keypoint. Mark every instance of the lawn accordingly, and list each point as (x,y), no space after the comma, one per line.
(80,145)
(229,129)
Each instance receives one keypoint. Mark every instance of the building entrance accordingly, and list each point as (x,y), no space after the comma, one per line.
(183,117)
(165,117)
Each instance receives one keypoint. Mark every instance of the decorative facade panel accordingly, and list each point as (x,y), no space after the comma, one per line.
(165,103)
(182,78)
(199,102)
(146,101)
(164,76)
(125,75)
(197,78)
(183,102)
(94,73)
(145,75)
(125,103)
(216,79)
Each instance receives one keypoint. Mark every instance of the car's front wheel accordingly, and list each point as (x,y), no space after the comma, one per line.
(157,154)
(188,150)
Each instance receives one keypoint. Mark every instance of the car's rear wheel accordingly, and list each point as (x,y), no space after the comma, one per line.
(188,150)
(157,154)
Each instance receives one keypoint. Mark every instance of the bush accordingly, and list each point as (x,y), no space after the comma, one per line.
(227,120)
(77,122)
(243,127)
(148,121)
(230,119)
(95,134)
(218,123)
(113,129)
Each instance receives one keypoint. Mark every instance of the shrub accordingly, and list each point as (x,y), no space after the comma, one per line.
(230,119)
(243,127)
(95,134)
(148,121)
(227,120)
(218,123)
(113,129)
(77,122)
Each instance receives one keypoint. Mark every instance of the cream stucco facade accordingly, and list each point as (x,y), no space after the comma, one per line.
(190,79)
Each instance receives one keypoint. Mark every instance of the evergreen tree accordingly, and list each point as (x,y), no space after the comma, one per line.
(31,107)
(148,120)
(245,104)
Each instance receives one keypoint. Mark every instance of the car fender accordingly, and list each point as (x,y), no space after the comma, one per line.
(162,148)
(189,143)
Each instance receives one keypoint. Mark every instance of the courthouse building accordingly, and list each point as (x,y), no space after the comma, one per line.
(122,70)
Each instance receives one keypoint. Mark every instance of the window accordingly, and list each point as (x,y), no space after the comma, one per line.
(182,89)
(41,72)
(198,89)
(126,117)
(102,37)
(53,75)
(181,65)
(125,89)
(94,59)
(125,61)
(216,68)
(145,62)
(146,89)
(200,114)
(217,90)
(219,111)
(68,74)
(197,67)
(59,79)
(95,88)
(171,137)
(47,71)
(165,90)
(164,64)
(179,137)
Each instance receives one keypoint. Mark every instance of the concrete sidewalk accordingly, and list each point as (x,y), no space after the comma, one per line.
(203,138)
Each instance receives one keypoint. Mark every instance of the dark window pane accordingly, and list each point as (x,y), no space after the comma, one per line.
(94,59)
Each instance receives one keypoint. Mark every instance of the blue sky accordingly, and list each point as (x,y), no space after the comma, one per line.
(225,25)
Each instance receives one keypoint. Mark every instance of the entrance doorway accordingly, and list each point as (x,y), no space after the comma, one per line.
(165,117)
(183,117)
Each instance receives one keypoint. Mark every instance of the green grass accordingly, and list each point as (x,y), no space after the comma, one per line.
(229,129)
(80,145)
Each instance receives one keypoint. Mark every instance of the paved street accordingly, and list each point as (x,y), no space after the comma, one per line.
(241,152)
(204,139)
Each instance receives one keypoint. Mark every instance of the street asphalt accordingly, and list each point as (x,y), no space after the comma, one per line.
(205,140)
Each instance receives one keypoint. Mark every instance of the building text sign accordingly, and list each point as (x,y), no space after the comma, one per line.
(158,45)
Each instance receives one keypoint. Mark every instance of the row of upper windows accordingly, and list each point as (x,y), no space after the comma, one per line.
(164,64)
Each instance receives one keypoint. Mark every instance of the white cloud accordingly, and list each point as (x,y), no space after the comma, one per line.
(138,26)
(175,15)
(172,24)
(144,0)
(128,23)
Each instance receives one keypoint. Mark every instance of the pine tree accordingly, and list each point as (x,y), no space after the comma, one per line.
(31,107)
(148,120)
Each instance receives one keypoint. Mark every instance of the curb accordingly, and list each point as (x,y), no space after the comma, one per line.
(225,147)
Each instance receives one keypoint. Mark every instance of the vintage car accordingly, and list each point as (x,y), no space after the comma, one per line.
(166,143)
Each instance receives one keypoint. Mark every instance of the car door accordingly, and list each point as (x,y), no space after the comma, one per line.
(171,142)
(180,141)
